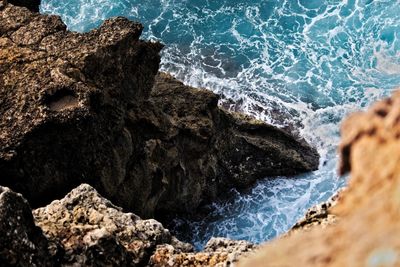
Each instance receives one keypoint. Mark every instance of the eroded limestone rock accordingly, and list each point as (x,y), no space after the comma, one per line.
(85,229)
(217,252)
(319,215)
(94,232)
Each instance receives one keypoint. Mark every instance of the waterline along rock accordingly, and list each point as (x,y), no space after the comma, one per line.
(91,108)
(320,214)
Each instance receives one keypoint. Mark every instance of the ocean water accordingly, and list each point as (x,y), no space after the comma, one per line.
(306,63)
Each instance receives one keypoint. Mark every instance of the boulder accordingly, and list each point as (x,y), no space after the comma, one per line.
(94,232)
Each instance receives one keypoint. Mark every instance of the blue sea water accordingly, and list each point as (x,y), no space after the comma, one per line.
(301,62)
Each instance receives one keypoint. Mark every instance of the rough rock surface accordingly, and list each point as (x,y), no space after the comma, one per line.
(320,214)
(367,233)
(85,229)
(217,252)
(94,232)
(84,108)
(21,242)
(200,150)
(63,99)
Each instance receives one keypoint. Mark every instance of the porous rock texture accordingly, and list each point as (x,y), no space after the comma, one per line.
(320,214)
(367,232)
(85,229)
(94,232)
(90,107)
(217,252)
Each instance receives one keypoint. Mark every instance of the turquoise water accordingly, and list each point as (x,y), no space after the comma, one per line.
(291,62)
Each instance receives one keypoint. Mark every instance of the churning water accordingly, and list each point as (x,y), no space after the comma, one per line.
(301,62)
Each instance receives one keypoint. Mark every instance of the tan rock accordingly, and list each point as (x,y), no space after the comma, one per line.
(217,252)
(94,232)
(319,215)
(368,230)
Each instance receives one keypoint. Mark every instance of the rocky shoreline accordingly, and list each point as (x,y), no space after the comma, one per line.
(92,108)
(79,109)
(89,115)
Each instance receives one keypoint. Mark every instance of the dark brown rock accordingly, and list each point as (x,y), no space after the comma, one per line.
(32,5)
(21,242)
(195,150)
(63,98)
(84,108)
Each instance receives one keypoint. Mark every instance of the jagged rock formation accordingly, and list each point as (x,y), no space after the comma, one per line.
(85,229)
(320,214)
(94,232)
(84,108)
(367,232)
(191,141)
(63,98)
(217,252)
(21,242)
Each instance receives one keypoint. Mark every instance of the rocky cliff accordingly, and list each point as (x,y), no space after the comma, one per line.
(90,107)
(368,211)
